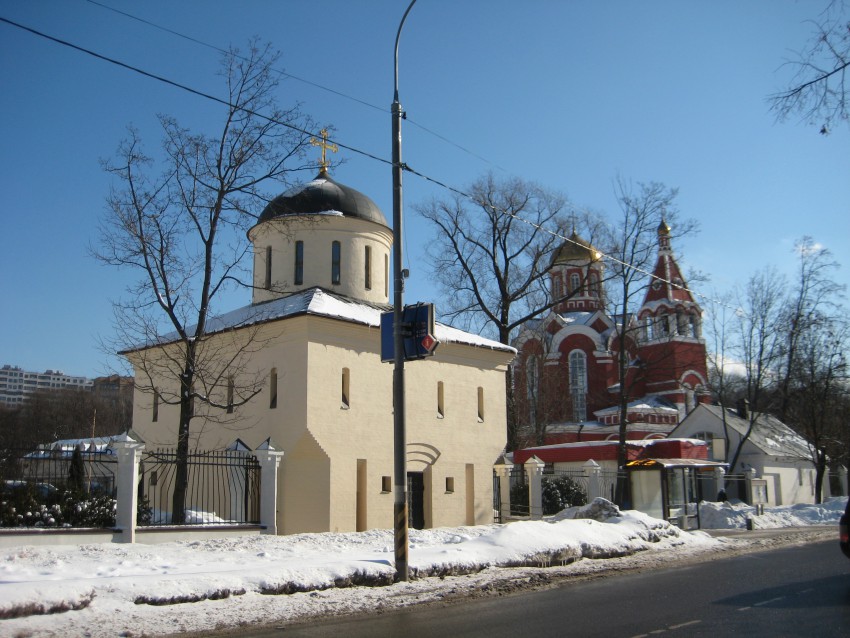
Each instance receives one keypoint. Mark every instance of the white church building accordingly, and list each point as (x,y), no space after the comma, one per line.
(321,281)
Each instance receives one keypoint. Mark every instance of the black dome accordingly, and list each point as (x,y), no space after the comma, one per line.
(321,195)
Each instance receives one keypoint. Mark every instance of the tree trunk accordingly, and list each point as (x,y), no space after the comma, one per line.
(820,474)
(181,470)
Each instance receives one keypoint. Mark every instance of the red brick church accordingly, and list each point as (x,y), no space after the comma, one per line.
(567,386)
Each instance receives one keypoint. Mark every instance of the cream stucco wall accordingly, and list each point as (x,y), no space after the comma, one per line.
(335,456)
(318,232)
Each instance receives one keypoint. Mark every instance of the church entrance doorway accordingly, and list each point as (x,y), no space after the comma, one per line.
(416,500)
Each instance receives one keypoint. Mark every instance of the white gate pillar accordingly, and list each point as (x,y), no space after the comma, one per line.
(534,469)
(593,472)
(129,447)
(269,459)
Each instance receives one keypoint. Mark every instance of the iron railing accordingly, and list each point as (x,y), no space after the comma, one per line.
(223,488)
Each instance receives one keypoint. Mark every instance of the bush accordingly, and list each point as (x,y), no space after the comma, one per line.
(30,505)
(561,492)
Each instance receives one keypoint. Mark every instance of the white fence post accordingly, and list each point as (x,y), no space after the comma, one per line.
(269,459)
(592,471)
(129,447)
(534,468)
(750,476)
(720,479)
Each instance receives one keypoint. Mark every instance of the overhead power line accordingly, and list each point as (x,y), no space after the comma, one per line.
(183,87)
(353,149)
(294,77)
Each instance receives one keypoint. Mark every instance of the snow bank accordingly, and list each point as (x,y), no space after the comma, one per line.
(734,514)
(129,590)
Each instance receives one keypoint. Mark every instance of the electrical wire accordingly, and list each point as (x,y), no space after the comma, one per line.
(294,77)
(404,166)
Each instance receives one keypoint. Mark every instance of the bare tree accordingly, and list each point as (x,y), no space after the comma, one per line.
(544,392)
(182,231)
(50,415)
(818,90)
(810,303)
(491,258)
(632,246)
(819,388)
(759,346)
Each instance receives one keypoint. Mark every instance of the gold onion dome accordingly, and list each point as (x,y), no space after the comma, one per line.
(575,249)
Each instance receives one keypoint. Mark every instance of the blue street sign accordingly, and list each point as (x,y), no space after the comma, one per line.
(417,332)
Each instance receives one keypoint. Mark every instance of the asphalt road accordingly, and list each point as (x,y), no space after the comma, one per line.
(795,591)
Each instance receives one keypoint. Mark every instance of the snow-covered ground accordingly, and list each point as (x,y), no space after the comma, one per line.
(132,590)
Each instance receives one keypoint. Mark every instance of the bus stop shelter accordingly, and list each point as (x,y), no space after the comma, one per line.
(672,488)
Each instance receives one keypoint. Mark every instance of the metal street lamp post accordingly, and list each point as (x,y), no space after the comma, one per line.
(400,437)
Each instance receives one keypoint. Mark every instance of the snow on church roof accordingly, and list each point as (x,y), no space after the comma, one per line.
(322,303)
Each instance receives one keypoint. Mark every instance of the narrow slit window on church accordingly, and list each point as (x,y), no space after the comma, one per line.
(441,406)
(268,282)
(273,389)
(336,256)
(299,263)
(346,381)
(575,282)
(387,275)
(480,404)
(230,388)
(155,415)
(368,267)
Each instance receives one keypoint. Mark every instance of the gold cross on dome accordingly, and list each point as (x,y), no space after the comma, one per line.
(333,148)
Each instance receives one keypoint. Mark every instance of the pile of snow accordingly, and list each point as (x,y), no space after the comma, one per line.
(113,589)
(734,514)
(99,590)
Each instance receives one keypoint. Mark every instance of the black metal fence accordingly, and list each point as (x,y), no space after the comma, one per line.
(57,487)
(518,480)
(223,488)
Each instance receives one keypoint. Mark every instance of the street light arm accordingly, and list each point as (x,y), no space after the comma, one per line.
(395,57)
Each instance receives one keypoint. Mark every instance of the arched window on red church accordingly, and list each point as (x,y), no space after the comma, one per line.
(578,384)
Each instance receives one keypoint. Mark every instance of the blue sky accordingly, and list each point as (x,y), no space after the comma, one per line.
(570,94)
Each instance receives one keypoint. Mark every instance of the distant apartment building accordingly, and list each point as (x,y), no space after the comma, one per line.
(16,384)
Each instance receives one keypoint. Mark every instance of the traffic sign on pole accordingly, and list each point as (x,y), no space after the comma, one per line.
(417,331)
